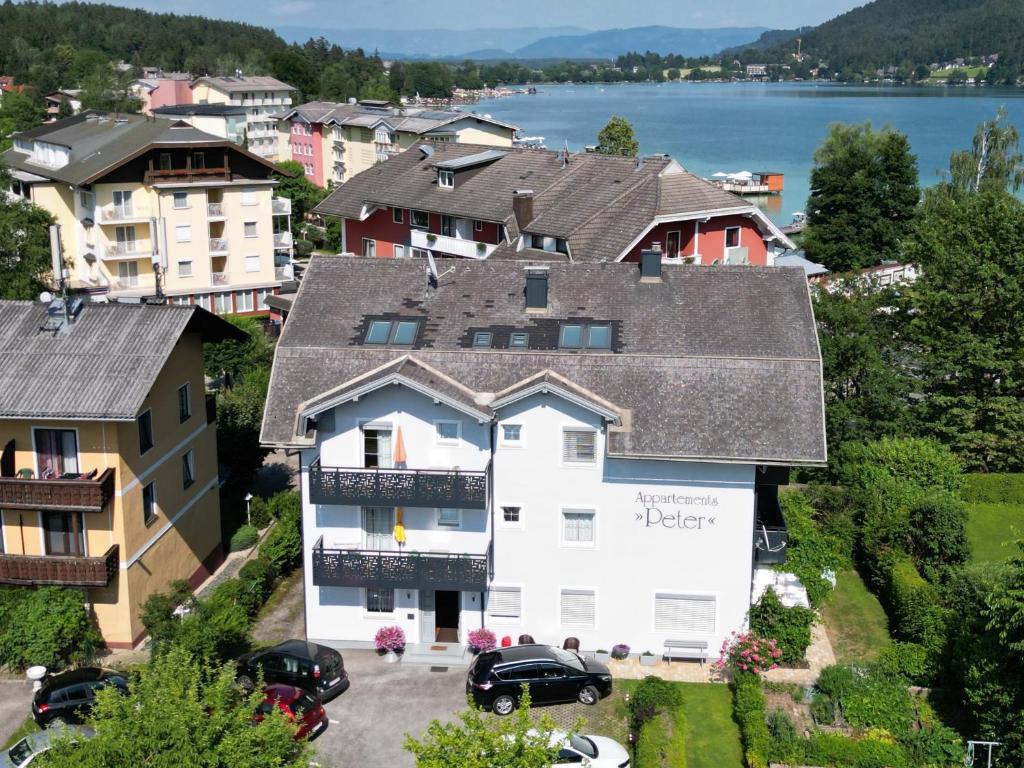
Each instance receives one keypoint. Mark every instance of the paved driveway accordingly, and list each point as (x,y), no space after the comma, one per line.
(15,706)
(385,701)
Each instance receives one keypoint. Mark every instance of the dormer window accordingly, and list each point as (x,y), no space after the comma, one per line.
(446,179)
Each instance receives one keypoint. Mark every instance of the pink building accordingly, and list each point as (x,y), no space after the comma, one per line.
(164,91)
(307,149)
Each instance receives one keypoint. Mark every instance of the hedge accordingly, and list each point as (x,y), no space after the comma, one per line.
(48,626)
(243,538)
(809,551)
(662,741)
(789,627)
(750,710)
(832,750)
(994,488)
(915,611)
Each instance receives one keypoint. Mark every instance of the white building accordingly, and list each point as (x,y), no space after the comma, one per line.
(261,95)
(589,451)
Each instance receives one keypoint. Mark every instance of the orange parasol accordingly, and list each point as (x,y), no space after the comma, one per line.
(399,459)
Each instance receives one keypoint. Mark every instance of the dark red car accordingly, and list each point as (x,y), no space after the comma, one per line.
(298,706)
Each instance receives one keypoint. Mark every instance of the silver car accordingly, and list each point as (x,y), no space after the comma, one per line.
(33,745)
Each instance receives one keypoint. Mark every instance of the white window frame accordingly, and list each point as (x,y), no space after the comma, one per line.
(504,442)
(183,229)
(185,268)
(449,526)
(217,298)
(249,262)
(502,619)
(592,591)
(412,219)
(516,525)
(397,215)
(445,178)
(739,238)
(576,508)
(693,595)
(368,614)
(578,464)
(398,251)
(439,440)
(244,301)
(249,197)
(245,229)
(478,225)
(175,196)
(365,252)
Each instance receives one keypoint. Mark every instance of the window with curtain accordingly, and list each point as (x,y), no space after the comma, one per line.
(380,601)
(64,533)
(377,447)
(56,452)
(579,446)
(379,528)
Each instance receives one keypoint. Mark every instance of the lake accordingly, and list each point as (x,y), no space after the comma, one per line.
(713,127)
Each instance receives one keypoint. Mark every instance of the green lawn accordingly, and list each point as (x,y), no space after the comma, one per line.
(855,621)
(989,526)
(942,74)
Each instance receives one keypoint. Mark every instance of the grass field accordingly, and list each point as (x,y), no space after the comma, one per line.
(942,74)
(989,526)
(855,621)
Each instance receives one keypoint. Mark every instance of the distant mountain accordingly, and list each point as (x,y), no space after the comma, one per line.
(609,43)
(892,32)
(430,43)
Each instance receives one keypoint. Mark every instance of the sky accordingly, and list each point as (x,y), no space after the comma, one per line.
(469,14)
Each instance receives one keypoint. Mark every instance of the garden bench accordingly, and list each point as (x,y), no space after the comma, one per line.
(686,649)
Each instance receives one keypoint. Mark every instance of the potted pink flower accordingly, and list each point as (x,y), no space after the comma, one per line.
(390,641)
(748,653)
(482,639)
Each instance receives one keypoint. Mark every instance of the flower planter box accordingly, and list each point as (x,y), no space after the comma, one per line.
(603,656)
(648,661)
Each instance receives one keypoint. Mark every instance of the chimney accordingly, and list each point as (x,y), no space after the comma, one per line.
(650,264)
(536,288)
(522,206)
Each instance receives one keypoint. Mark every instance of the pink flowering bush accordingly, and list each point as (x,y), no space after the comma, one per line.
(482,639)
(389,639)
(748,653)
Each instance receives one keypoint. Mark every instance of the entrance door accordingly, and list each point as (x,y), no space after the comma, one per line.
(447,615)
(427,630)
(378,528)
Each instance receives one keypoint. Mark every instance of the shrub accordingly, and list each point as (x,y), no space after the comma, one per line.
(876,702)
(245,537)
(303,248)
(924,464)
(909,662)
(836,681)
(653,695)
(823,709)
(749,707)
(259,512)
(789,627)
(283,503)
(938,525)
(47,626)
(620,651)
(809,552)
(662,741)
(482,639)
(748,653)
(915,612)
(933,746)
(283,545)
(780,726)
(158,612)
(832,750)
(259,574)
(389,639)
(994,488)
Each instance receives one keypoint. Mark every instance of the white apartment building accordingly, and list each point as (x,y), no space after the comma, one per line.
(261,95)
(560,450)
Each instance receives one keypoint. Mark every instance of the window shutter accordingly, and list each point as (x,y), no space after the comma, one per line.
(578,607)
(684,614)
(505,602)
(578,445)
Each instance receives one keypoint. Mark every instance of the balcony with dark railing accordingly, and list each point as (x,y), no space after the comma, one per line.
(36,570)
(376,569)
(371,487)
(770,534)
(72,494)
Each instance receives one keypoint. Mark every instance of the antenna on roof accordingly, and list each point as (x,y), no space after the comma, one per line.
(432,274)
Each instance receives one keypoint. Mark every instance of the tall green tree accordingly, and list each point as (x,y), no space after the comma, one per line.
(968,303)
(25,264)
(303,193)
(618,138)
(479,741)
(864,195)
(19,111)
(181,712)
(994,161)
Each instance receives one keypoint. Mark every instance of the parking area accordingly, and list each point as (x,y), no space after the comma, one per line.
(15,706)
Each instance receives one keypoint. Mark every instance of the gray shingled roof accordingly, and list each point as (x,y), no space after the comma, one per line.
(710,364)
(100,367)
(99,143)
(233,84)
(599,204)
(408,119)
(214,110)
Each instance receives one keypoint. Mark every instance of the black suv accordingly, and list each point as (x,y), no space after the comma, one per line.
(309,666)
(69,696)
(555,677)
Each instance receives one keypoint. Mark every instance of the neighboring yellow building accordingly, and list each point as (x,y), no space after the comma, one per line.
(334,142)
(108,469)
(154,207)
(261,95)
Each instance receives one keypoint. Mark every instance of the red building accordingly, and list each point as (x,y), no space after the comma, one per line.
(481,202)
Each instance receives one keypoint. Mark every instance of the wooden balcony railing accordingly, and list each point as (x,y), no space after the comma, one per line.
(397,487)
(398,570)
(36,570)
(64,494)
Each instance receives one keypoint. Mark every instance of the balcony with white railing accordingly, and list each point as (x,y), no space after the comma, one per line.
(284,272)
(117,214)
(128,250)
(453,246)
(282,206)
(220,278)
(282,239)
(215,210)
(134,283)
(218,245)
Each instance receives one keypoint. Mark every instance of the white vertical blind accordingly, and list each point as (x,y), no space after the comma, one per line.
(684,614)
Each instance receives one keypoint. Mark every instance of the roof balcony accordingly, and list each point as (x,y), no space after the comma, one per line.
(451,246)
(398,570)
(281,206)
(397,487)
(72,493)
(38,570)
(282,239)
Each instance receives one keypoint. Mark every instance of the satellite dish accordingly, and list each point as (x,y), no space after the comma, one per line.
(431,265)
(46,297)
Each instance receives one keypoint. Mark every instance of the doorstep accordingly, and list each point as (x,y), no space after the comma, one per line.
(437,655)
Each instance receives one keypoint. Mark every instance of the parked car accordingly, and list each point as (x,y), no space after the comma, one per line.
(312,667)
(298,705)
(590,751)
(68,697)
(554,676)
(28,749)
